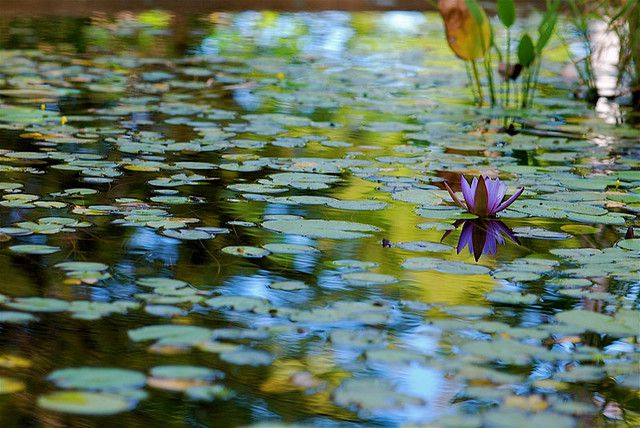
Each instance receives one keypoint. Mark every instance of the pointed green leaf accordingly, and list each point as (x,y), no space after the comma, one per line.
(526,51)
(506,12)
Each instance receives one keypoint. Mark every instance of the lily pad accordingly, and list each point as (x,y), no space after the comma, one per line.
(333,229)
(246,251)
(170,333)
(438,265)
(34,249)
(372,395)
(247,357)
(97,378)
(186,372)
(85,403)
(289,285)
(38,304)
(290,249)
(16,317)
(368,278)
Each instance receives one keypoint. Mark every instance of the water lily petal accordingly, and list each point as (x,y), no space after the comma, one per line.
(496,190)
(490,244)
(468,192)
(481,197)
(453,196)
(466,237)
(509,201)
(504,229)
(490,184)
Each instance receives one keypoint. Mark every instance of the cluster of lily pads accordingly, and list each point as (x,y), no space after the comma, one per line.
(290,205)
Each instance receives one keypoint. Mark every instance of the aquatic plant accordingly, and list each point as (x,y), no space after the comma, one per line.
(484,197)
(470,36)
(622,19)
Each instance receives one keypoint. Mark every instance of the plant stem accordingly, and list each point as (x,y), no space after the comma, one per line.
(536,76)
(471,82)
(487,68)
(507,66)
(474,68)
(525,89)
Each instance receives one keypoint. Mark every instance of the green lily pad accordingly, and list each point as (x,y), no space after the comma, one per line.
(289,285)
(424,246)
(158,282)
(438,265)
(629,244)
(583,320)
(187,234)
(38,304)
(97,378)
(186,372)
(10,385)
(34,249)
(510,351)
(16,317)
(240,303)
(368,278)
(85,403)
(503,418)
(170,333)
(246,251)
(247,357)
(82,266)
(321,228)
(372,395)
(290,249)
(511,298)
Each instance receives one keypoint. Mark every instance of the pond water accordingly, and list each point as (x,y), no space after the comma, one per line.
(230,219)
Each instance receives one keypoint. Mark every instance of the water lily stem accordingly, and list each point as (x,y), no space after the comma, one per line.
(536,75)
(506,69)
(471,82)
(527,86)
(476,76)
(487,68)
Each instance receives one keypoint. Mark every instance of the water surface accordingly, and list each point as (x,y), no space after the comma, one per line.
(207,162)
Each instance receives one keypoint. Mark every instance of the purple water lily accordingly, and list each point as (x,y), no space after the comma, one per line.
(484,196)
(482,236)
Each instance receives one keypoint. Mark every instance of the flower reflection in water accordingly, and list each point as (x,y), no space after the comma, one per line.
(482,236)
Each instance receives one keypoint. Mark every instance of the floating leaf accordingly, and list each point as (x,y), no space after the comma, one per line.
(34,249)
(187,234)
(321,228)
(186,372)
(246,251)
(38,304)
(372,395)
(247,357)
(290,249)
(368,278)
(170,333)
(438,265)
(9,385)
(16,317)
(288,285)
(97,378)
(85,403)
